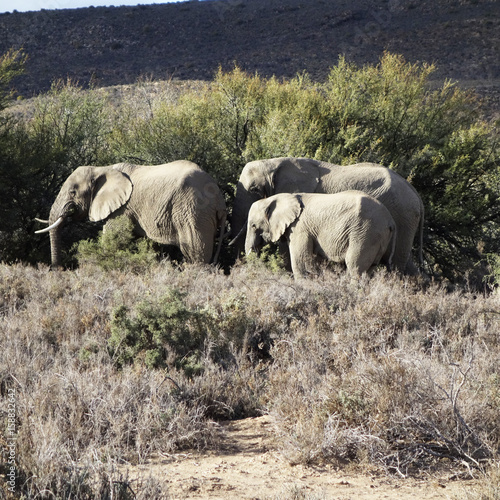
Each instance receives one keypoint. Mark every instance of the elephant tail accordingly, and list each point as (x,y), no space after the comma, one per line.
(222,226)
(394,237)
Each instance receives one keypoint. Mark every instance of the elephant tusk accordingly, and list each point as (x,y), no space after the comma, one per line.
(53,226)
(43,221)
(239,235)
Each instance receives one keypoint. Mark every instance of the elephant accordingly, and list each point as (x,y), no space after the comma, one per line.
(175,204)
(350,227)
(263,178)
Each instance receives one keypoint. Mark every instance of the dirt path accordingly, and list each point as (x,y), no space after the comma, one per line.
(246,467)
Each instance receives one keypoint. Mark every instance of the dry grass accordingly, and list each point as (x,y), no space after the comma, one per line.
(383,370)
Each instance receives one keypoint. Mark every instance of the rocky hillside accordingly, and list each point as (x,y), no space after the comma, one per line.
(190,40)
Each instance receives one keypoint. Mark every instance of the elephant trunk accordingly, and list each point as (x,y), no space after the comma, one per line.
(56,219)
(55,247)
(56,214)
(242,203)
(253,243)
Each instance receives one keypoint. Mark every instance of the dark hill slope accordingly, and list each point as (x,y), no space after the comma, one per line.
(281,37)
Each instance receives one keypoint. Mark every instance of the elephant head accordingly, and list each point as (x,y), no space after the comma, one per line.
(89,192)
(268,220)
(263,178)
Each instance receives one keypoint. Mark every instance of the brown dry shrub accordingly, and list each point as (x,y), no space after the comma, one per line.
(379,369)
(388,372)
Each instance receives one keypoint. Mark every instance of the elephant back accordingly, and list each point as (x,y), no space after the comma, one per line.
(369,178)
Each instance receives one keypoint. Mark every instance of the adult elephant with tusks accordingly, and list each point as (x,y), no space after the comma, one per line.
(174,204)
(264,178)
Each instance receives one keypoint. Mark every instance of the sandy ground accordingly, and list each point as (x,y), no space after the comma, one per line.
(247,467)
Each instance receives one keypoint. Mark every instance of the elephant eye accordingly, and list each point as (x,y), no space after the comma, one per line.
(254,189)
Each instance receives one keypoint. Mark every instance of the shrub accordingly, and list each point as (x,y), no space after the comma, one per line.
(377,370)
(209,126)
(291,122)
(50,136)
(12,65)
(493,276)
(356,384)
(387,113)
(270,256)
(117,248)
(163,333)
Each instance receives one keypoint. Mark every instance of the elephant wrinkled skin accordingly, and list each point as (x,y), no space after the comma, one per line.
(175,204)
(350,227)
(263,178)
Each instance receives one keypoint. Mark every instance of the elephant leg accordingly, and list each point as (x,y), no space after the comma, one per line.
(358,258)
(202,253)
(401,254)
(402,260)
(406,231)
(196,246)
(301,254)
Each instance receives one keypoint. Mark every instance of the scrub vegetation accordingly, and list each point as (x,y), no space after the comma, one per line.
(127,354)
(387,113)
(118,367)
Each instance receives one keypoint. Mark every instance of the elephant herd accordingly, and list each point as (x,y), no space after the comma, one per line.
(361,215)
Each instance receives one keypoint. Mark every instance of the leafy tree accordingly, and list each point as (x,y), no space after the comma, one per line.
(390,113)
(12,65)
(52,135)
(210,126)
(292,123)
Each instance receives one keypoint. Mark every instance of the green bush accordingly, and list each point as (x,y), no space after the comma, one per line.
(163,333)
(270,256)
(117,248)
(291,123)
(492,277)
(167,333)
(48,138)
(12,65)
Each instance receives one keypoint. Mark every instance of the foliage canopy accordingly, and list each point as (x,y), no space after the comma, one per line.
(390,113)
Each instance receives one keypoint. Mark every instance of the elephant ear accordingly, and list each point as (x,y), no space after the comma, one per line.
(112,189)
(296,175)
(282,211)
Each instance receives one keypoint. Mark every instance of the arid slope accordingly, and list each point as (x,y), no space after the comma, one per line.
(190,40)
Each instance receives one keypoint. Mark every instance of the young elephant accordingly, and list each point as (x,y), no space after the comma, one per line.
(350,227)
